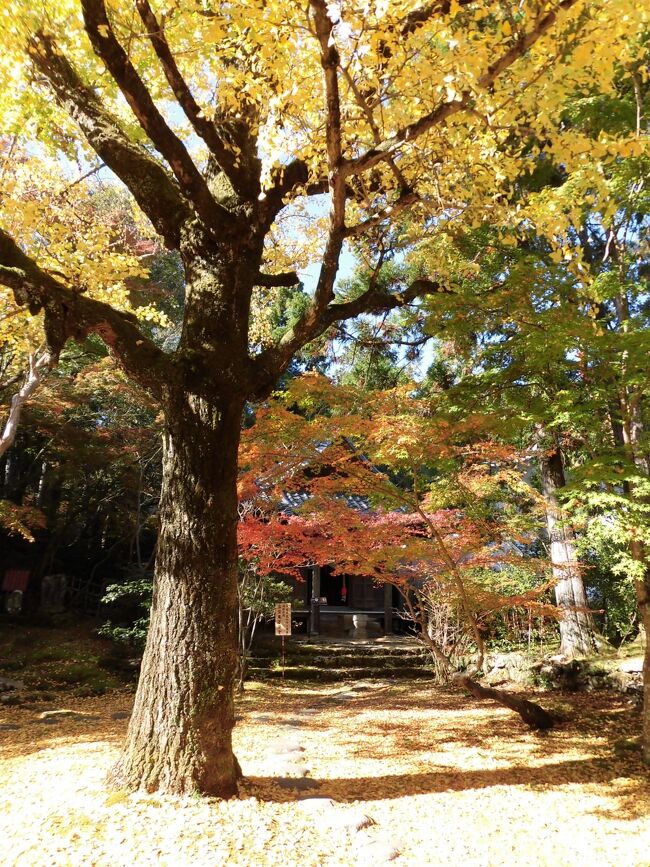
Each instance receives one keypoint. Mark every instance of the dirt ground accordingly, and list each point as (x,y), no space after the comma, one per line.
(339,775)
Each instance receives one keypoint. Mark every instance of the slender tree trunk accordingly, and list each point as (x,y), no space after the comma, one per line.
(631,427)
(642,587)
(577,633)
(37,366)
(179,738)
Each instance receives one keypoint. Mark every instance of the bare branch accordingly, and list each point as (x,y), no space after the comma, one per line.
(205,128)
(69,314)
(152,187)
(192,183)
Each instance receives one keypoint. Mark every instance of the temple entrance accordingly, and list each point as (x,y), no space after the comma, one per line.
(335,588)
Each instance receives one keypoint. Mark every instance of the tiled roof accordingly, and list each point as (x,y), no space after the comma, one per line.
(293,500)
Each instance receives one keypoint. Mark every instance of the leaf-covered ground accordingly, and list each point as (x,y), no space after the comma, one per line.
(434,776)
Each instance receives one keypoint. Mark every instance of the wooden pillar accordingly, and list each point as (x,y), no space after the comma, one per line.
(314,605)
(315,582)
(388,609)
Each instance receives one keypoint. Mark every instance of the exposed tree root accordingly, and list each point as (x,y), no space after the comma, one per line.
(532,714)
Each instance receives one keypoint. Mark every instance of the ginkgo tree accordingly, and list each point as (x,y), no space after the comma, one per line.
(223,121)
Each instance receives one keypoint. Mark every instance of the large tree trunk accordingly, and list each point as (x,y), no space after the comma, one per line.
(179,738)
(577,633)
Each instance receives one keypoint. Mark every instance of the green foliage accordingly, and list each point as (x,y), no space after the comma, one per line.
(259,593)
(132,599)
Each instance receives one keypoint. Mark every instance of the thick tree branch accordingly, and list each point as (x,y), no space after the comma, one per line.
(542,25)
(418,17)
(69,314)
(285,278)
(267,366)
(363,104)
(391,146)
(192,183)
(152,187)
(375,301)
(271,363)
(286,180)
(330,62)
(226,157)
(532,714)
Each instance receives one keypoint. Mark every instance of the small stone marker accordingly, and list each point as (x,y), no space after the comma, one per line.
(14,602)
(287,749)
(379,852)
(53,590)
(632,665)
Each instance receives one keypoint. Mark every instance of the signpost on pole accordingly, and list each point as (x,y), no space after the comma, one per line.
(283,624)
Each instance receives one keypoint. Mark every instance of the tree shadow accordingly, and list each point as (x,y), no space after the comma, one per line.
(34,737)
(391,786)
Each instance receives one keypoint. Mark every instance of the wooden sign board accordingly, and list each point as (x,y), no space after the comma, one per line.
(283,618)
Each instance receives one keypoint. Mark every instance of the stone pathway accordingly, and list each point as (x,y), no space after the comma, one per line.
(370,844)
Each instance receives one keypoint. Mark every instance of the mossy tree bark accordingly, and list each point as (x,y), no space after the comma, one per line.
(179,737)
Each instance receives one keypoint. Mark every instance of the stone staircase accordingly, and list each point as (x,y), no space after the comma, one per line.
(331,661)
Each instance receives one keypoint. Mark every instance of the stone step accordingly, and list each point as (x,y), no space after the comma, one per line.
(336,674)
(339,661)
(334,652)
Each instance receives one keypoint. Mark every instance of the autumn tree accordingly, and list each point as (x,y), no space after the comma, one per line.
(554,335)
(450,515)
(221,120)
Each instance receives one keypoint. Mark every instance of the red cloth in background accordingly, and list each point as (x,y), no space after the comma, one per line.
(15,579)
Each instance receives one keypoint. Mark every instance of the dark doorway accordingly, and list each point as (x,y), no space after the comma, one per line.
(334,587)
